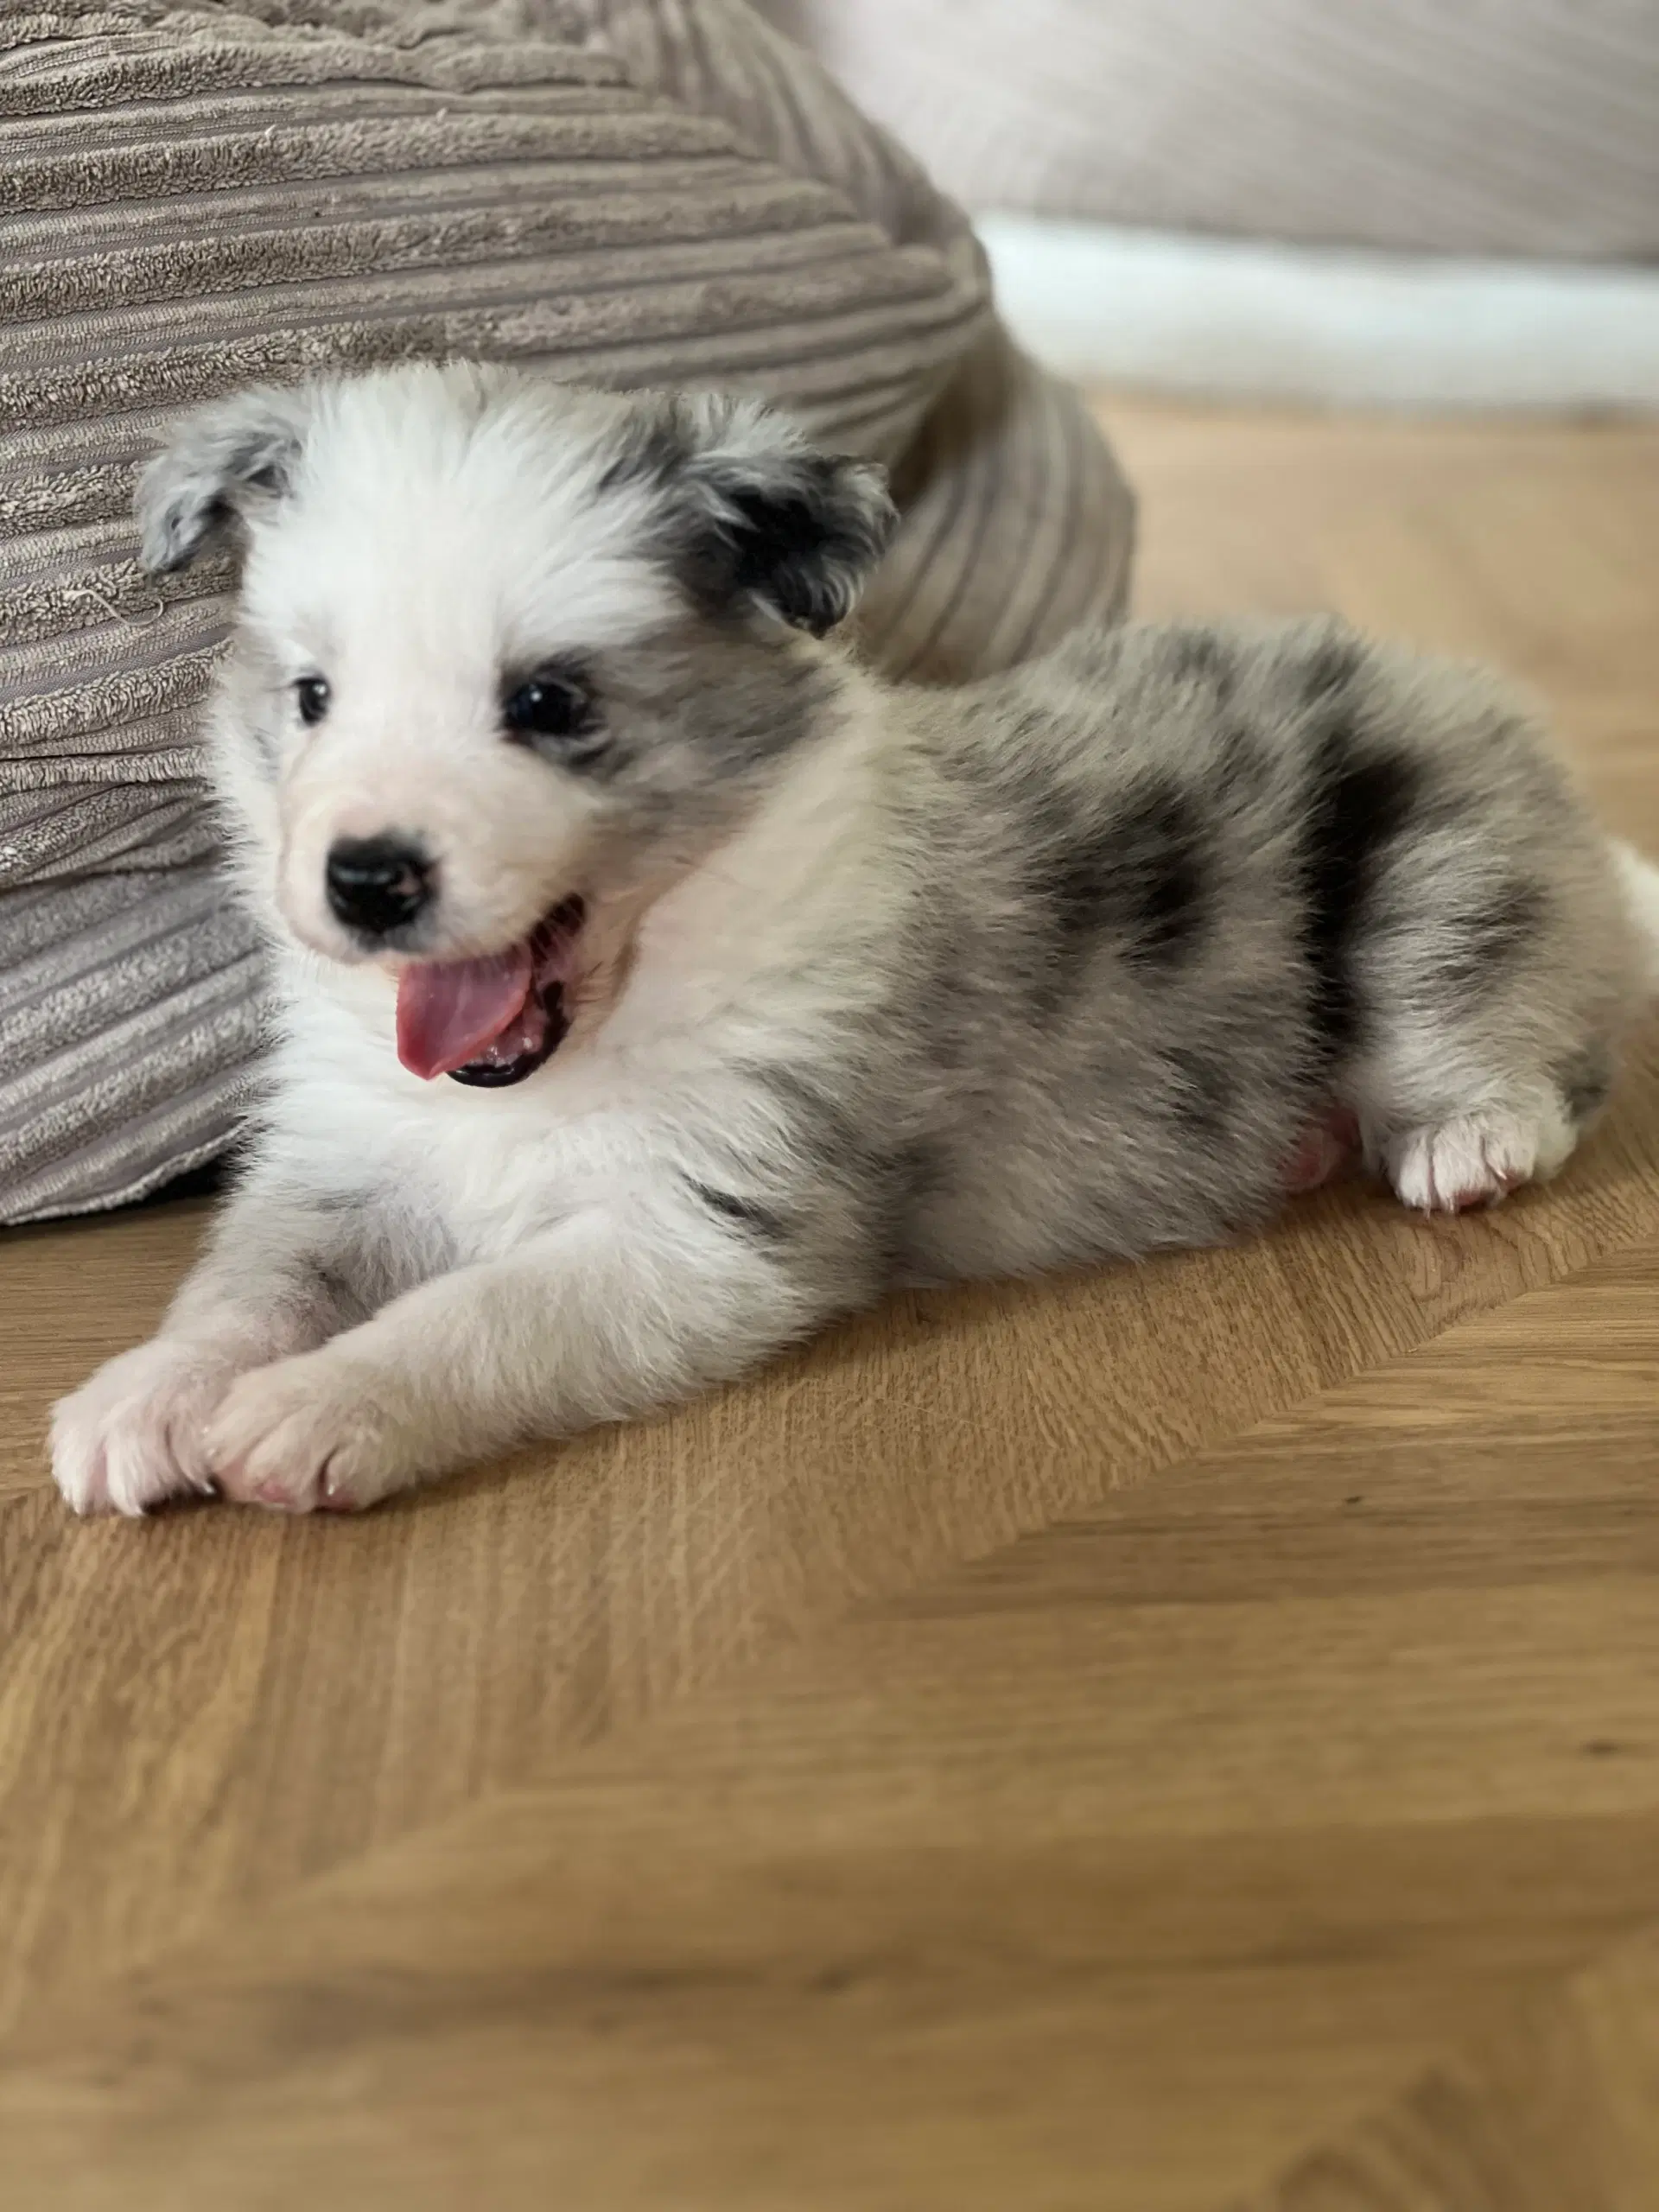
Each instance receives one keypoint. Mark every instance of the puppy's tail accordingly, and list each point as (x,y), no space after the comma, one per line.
(1640,880)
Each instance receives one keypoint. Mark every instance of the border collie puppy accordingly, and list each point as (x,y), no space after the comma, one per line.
(654,982)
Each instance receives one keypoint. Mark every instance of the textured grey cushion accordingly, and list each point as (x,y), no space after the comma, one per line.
(623,191)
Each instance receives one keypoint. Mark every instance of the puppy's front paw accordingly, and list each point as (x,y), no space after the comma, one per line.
(311,1433)
(135,1434)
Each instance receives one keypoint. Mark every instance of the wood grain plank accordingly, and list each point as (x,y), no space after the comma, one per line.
(1125,1887)
(1559,2107)
(204,1753)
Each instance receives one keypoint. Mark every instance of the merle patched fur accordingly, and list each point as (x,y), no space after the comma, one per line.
(869,984)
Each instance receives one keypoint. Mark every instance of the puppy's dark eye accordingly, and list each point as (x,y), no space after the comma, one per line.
(554,707)
(312,694)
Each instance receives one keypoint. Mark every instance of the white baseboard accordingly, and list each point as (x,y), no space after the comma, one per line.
(1221,318)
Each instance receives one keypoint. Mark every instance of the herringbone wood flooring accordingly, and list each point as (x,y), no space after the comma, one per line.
(1183,1739)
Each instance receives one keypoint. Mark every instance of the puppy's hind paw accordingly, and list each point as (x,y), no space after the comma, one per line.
(1476,1160)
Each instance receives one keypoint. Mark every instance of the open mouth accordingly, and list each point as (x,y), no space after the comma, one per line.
(491,1021)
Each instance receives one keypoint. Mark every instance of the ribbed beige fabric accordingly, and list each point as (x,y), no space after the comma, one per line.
(1524,127)
(625,191)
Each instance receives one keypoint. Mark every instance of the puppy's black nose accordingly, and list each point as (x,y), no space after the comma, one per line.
(376,885)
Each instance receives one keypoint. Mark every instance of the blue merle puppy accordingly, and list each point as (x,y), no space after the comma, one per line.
(655,983)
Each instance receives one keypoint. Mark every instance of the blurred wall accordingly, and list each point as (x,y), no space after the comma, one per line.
(1510,127)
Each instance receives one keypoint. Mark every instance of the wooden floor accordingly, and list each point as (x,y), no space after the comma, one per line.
(1181,1740)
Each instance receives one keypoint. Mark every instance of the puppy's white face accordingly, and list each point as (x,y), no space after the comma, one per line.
(422,616)
(504,644)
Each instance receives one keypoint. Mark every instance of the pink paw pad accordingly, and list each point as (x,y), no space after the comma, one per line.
(1323,1151)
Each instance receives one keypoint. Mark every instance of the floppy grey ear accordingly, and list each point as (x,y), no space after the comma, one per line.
(222,462)
(756,512)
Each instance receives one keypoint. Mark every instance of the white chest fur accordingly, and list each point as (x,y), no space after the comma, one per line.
(737,965)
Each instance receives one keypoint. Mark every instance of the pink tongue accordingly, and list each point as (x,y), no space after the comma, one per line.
(449,1010)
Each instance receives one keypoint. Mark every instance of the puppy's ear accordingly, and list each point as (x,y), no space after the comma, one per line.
(759,514)
(225,461)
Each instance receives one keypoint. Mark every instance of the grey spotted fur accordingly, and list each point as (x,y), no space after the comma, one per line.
(1180,889)
(879,984)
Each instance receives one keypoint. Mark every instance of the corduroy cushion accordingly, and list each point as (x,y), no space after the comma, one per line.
(628,192)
